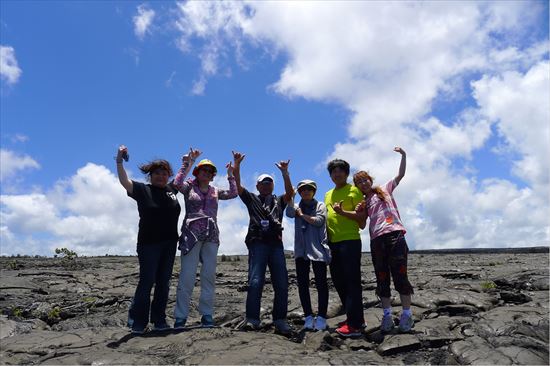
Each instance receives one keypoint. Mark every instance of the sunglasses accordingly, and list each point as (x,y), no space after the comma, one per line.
(306,188)
(208,170)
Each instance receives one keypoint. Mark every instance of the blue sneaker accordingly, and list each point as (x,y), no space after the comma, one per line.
(207,321)
(406,323)
(180,323)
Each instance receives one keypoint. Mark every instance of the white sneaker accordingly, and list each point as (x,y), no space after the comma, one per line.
(320,323)
(308,322)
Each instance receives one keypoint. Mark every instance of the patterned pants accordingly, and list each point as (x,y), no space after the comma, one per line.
(389,257)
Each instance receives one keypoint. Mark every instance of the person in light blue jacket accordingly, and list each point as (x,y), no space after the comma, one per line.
(311,247)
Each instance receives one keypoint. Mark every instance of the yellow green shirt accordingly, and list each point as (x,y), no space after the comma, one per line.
(341,228)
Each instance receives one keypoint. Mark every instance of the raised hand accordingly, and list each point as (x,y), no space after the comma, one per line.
(230,169)
(337,207)
(399,150)
(191,155)
(283,165)
(237,157)
(122,153)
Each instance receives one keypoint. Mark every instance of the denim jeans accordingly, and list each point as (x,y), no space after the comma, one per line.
(345,270)
(156,262)
(302,275)
(206,253)
(261,256)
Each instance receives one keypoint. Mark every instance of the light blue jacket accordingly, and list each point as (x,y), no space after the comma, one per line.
(310,240)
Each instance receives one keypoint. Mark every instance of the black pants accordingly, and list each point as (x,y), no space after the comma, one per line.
(345,269)
(156,262)
(302,274)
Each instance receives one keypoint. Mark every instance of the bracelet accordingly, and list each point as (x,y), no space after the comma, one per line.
(119,161)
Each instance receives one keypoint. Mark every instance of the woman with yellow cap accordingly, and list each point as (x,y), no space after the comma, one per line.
(199,239)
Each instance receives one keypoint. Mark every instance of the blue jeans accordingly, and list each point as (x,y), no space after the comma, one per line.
(156,262)
(261,256)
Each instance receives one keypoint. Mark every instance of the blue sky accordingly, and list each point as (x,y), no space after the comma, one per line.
(463,87)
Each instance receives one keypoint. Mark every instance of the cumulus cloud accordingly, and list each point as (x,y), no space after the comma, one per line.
(143,20)
(519,105)
(390,64)
(89,213)
(12,162)
(9,68)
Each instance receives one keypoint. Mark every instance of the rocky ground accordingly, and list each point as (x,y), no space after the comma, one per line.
(469,308)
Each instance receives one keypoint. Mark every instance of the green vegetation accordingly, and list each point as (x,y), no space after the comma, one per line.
(16,312)
(13,265)
(54,314)
(65,253)
(487,285)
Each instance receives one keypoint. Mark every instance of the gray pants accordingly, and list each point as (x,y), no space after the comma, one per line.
(206,253)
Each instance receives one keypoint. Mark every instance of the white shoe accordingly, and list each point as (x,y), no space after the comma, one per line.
(308,322)
(320,323)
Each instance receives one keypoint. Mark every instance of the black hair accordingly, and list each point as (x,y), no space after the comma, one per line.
(148,168)
(338,163)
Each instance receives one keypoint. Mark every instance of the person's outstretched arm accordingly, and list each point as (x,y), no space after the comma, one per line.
(402,166)
(237,159)
(227,194)
(187,162)
(122,176)
(289,190)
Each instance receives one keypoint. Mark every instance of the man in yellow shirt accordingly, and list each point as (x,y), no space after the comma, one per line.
(345,245)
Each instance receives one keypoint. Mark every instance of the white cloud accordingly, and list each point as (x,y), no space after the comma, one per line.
(520,105)
(219,25)
(389,63)
(19,138)
(12,162)
(9,68)
(143,20)
(89,213)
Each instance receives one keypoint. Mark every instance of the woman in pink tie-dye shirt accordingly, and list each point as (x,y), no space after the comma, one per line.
(199,239)
(387,243)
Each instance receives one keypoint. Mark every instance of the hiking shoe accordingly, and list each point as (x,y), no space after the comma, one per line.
(387,324)
(347,331)
(282,327)
(137,330)
(320,323)
(250,324)
(308,322)
(405,323)
(207,321)
(180,323)
(159,327)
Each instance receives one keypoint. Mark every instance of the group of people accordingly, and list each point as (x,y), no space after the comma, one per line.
(326,234)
